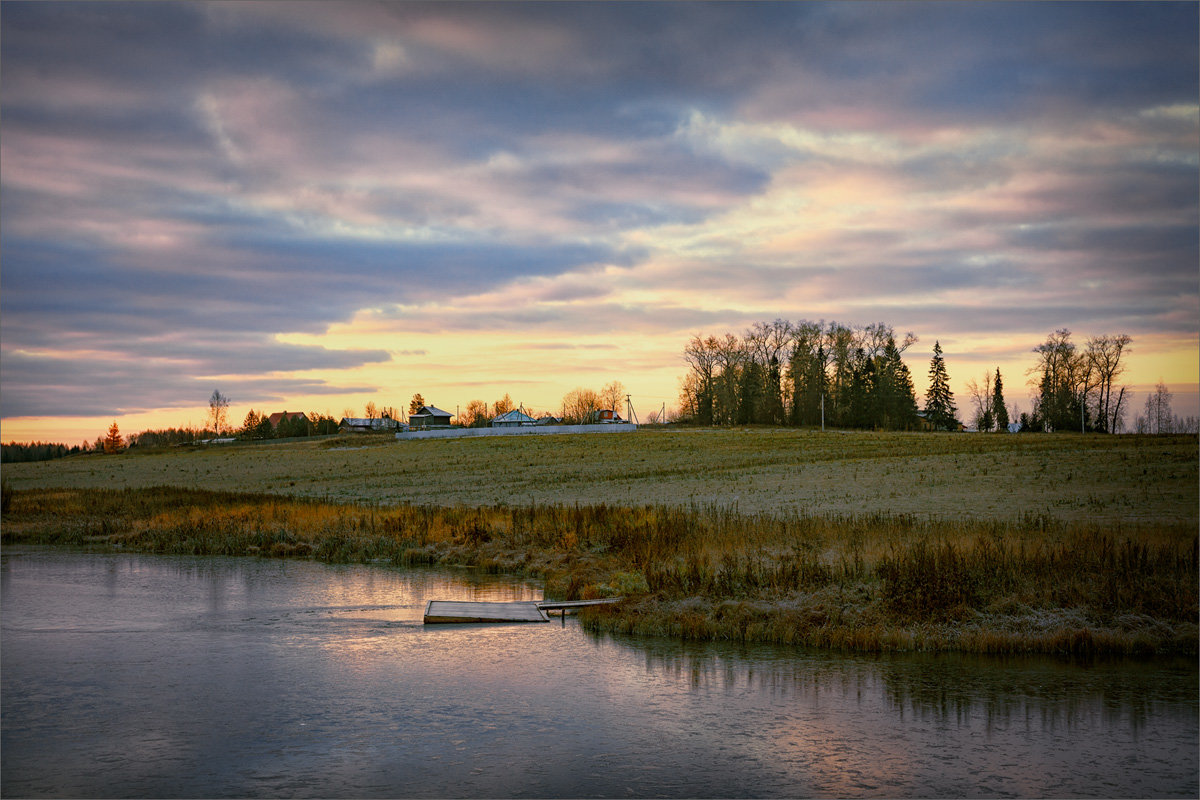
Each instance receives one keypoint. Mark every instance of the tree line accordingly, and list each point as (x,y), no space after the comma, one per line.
(1158,417)
(578,406)
(15,452)
(809,373)
(800,373)
(1077,388)
(258,427)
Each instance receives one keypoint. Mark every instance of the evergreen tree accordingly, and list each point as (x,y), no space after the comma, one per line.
(895,404)
(861,397)
(999,411)
(808,384)
(250,425)
(749,394)
(113,442)
(1057,403)
(773,403)
(939,400)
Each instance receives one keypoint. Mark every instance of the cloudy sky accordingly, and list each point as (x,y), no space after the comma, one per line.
(314,205)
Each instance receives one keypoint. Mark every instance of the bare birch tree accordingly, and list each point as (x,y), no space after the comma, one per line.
(981,399)
(218,412)
(1104,357)
(613,396)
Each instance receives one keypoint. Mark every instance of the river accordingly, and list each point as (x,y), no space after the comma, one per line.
(125,675)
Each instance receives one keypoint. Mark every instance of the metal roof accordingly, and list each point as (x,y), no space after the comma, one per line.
(430,411)
(369,422)
(516,415)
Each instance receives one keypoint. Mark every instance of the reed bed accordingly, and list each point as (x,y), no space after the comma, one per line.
(860,582)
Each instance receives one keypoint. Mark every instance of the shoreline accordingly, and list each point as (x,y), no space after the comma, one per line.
(866,583)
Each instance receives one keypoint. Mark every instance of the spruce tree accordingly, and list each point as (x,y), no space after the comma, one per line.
(896,404)
(999,411)
(113,442)
(250,425)
(939,400)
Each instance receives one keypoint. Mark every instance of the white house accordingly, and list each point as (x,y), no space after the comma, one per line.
(512,419)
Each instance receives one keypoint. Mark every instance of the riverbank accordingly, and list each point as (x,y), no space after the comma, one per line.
(867,582)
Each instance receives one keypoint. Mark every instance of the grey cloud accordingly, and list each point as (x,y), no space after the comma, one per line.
(137,376)
(134,222)
(91,386)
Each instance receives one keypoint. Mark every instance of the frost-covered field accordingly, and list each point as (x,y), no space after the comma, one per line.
(988,476)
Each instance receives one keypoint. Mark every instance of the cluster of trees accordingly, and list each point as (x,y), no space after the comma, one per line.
(15,452)
(372,411)
(800,373)
(1158,417)
(987,398)
(477,413)
(258,426)
(1077,387)
(168,437)
(809,373)
(580,405)
(111,442)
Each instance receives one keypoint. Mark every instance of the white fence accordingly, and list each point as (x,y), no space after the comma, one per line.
(524,430)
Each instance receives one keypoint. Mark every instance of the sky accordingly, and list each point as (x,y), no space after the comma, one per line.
(312,206)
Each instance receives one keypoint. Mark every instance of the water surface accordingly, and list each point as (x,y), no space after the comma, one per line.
(139,676)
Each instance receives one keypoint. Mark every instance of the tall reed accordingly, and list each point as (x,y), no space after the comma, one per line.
(869,581)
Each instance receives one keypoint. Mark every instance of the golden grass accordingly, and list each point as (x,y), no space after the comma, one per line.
(864,582)
(849,540)
(1066,477)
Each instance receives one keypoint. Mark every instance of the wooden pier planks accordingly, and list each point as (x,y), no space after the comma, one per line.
(438,612)
(452,611)
(565,605)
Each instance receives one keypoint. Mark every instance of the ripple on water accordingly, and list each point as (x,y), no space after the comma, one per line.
(146,676)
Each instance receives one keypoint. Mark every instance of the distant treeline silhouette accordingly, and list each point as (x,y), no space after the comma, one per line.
(798,373)
(809,373)
(14,452)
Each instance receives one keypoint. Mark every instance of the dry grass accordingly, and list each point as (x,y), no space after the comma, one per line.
(863,541)
(865,582)
(1126,479)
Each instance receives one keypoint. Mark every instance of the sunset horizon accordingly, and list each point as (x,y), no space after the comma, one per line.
(311,207)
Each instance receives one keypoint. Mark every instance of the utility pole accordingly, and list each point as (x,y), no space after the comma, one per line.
(629,410)
(822,412)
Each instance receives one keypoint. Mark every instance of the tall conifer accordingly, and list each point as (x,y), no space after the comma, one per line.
(939,400)
(113,443)
(999,411)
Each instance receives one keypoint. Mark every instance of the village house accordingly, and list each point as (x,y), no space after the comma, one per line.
(429,417)
(368,424)
(606,416)
(513,419)
(290,416)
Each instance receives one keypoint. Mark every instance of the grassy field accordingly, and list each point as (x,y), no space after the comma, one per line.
(844,540)
(954,476)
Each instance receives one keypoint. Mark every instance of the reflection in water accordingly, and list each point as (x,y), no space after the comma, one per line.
(946,686)
(955,724)
(138,676)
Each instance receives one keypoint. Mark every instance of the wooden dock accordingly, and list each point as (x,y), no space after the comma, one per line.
(440,612)
(446,611)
